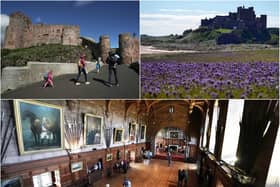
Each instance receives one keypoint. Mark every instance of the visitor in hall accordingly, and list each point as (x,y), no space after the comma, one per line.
(126,182)
(179,178)
(169,158)
(184,177)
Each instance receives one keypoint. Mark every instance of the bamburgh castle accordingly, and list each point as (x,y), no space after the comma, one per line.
(21,33)
(244,18)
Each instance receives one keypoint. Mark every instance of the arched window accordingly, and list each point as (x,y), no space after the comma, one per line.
(214,126)
(232,130)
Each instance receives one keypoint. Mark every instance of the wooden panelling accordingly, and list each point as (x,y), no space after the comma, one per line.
(28,169)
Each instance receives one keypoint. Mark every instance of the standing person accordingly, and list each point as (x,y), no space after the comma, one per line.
(98,64)
(126,182)
(49,79)
(82,68)
(185,177)
(179,178)
(169,157)
(113,62)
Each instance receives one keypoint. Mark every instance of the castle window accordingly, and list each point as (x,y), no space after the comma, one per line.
(58,30)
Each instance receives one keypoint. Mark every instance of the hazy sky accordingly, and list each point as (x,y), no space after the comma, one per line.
(173,17)
(95,18)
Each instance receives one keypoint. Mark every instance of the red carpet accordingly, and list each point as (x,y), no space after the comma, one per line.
(175,157)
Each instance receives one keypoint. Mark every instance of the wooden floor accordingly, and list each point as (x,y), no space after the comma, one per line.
(155,173)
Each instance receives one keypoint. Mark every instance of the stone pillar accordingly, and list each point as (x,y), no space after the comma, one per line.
(104,47)
(125,48)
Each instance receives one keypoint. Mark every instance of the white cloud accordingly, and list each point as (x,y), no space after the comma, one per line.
(4,23)
(191,11)
(165,24)
(82,2)
(273,21)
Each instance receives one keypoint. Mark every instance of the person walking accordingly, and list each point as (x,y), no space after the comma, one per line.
(113,63)
(98,66)
(82,69)
(169,157)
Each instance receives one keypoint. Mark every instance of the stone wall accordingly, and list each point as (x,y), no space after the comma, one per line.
(14,77)
(128,48)
(22,33)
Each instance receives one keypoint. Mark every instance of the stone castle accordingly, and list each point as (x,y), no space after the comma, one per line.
(21,33)
(244,18)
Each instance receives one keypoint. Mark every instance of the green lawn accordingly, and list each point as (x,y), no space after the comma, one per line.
(269,55)
(224,30)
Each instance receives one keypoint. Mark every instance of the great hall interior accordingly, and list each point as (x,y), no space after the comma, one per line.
(218,143)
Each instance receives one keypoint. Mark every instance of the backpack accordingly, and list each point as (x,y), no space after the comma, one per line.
(46,76)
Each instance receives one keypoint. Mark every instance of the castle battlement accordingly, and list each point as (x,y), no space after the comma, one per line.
(22,33)
(244,18)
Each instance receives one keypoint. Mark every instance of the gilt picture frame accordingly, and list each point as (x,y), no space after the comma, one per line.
(109,157)
(142,132)
(76,166)
(39,126)
(93,126)
(132,131)
(118,135)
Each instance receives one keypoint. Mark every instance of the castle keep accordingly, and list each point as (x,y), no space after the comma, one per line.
(22,33)
(244,18)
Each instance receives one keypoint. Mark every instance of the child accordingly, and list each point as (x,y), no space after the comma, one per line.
(98,65)
(49,79)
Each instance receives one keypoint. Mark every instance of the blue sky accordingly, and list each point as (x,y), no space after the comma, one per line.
(173,17)
(95,18)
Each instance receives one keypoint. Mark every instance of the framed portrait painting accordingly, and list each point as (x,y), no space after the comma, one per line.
(132,131)
(118,135)
(39,126)
(93,129)
(143,132)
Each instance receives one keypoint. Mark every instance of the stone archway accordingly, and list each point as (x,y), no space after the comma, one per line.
(172,139)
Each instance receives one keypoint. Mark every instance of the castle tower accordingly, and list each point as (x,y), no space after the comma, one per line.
(104,47)
(18,33)
(71,35)
(125,48)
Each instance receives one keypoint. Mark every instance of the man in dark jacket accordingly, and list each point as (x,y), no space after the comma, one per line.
(113,60)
